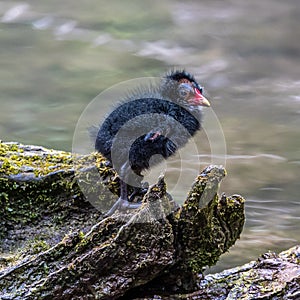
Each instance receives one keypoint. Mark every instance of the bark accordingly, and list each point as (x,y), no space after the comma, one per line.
(271,277)
(57,243)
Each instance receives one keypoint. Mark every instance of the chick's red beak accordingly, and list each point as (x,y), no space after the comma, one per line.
(198,99)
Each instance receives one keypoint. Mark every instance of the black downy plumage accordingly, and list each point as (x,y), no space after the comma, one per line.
(150,126)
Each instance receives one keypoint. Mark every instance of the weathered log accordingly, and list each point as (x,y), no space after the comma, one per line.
(63,247)
(271,277)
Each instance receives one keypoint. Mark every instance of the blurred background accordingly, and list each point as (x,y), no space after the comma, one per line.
(57,56)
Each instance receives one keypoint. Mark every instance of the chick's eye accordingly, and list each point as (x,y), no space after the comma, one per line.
(183,93)
(184,90)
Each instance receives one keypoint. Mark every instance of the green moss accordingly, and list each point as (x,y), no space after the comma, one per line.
(36,181)
(38,246)
(204,215)
(14,160)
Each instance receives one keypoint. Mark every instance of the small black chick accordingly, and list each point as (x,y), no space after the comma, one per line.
(148,127)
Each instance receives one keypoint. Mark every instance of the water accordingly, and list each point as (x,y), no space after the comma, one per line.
(55,60)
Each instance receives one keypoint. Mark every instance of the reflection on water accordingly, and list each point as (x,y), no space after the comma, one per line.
(54,61)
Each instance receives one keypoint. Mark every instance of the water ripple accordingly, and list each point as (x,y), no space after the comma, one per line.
(244,156)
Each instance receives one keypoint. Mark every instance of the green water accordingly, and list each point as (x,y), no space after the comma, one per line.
(56,57)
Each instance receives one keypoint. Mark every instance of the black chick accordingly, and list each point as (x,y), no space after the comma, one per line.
(149,127)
